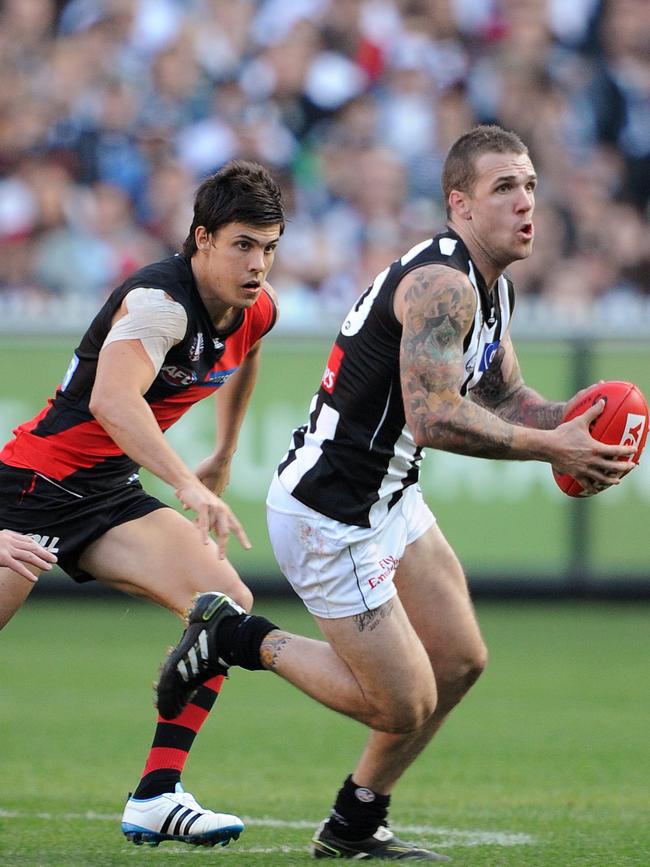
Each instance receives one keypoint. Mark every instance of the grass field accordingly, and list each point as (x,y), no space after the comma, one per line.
(545,763)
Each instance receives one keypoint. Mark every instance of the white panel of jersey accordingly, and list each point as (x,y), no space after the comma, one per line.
(486,334)
(326,422)
(483,341)
(154,319)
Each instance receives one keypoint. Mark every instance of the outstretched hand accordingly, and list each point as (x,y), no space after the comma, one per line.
(17,550)
(211,514)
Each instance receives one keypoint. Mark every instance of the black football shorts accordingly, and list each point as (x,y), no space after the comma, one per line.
(63,521)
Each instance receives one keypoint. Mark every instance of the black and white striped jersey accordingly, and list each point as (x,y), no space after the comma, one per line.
(356,455)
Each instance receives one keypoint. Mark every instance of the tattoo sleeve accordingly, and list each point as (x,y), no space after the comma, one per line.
(502,390)
(438,311)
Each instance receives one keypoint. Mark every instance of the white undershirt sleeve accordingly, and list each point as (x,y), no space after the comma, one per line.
(154,319)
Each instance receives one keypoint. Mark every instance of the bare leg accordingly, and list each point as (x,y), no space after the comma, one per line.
(14,589)
(441,612)
(424,644)
(161,557)
(342,673)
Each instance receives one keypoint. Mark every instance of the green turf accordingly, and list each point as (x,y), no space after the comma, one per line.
(545,763)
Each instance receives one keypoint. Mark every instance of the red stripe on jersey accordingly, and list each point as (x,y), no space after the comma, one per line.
(61,454)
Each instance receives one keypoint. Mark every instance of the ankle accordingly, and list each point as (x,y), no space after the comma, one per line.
(157,783)
(357,811)
(240,640)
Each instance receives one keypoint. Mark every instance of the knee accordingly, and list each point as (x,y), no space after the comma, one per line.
(407,714)
(242,596)
(469,667)
(461,674)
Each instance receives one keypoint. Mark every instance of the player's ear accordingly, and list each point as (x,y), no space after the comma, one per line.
(202,238)
(459,205)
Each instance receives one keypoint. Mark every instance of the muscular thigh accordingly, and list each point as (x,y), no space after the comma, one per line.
(161,557)
(433,590)
(383,652)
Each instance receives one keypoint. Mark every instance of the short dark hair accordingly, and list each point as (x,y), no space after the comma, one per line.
(459,170)
(240,192)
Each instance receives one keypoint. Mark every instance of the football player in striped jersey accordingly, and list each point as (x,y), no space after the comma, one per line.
(424,359)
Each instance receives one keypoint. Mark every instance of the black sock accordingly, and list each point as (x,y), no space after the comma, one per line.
(157,783)
(240,639)
(357,812)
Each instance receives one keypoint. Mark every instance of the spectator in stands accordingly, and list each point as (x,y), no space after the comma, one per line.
(149,97)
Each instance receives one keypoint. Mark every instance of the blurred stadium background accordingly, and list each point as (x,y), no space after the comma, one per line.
(111,112)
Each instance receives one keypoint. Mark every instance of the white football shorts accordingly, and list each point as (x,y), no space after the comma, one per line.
(339,570)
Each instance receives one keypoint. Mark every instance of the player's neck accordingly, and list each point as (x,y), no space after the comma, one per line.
(489,269)
(221,314)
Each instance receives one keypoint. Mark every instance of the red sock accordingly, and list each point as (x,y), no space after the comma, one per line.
(173,740)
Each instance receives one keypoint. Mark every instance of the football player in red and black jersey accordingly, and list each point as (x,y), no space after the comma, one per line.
(173,333)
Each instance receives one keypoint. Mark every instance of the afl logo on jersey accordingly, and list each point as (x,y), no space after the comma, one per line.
(331,371)
(488,355)
(178,376)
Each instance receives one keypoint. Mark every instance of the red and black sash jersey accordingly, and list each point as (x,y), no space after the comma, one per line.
(64,441)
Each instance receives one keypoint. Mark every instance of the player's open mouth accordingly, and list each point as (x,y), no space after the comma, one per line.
(252,285)
(526,231)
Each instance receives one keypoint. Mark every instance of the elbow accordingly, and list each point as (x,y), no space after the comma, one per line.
(99,407)
(418,430)
(423,433)
(434,431)
(420,437)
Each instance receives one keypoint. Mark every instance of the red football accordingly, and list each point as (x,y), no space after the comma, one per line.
(623,421)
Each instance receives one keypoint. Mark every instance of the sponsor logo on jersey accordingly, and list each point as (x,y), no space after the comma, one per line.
(488,355)
(50,543)
(197,347)
(332,369)
(634,427)
(388,565)
(216,378)
(178,376)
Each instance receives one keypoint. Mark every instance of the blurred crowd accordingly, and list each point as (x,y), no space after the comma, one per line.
(111,111)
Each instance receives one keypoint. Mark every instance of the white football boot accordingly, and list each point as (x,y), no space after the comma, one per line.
(177,816)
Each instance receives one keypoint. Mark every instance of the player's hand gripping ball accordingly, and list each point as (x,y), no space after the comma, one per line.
(623,421)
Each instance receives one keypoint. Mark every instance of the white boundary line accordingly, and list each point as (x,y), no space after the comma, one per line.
(444,837)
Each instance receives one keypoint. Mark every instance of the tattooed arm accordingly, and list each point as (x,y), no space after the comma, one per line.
(503,391)
(436,306)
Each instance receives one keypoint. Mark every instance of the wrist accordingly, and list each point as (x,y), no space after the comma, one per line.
(182,480)
(535,444)
(223,456)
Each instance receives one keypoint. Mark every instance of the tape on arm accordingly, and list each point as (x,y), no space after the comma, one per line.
(154,319)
